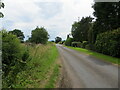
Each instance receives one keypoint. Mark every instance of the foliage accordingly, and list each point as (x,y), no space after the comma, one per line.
(84,43)
(41,70)
(106,14)
(39,35)
(52,41)
(2,5)
(63,42)
(80,29)
(90,47)
(18,33)
(91,34)
(11,50)
(109,43)
(25,55)
(69,41)
(58,39)
(76,44)
(12,63)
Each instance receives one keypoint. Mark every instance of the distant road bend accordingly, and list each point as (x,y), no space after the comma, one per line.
(87,72)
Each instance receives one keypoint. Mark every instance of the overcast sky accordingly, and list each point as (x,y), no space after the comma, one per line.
(56,16)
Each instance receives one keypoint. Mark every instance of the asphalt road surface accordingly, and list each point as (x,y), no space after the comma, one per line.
(86,71)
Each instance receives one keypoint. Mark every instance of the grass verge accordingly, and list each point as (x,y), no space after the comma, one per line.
(98,55)
(53,77)
(41,70)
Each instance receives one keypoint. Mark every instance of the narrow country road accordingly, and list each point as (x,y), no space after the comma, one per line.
(85,71)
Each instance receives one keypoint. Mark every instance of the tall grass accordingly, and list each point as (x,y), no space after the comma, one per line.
(39,67)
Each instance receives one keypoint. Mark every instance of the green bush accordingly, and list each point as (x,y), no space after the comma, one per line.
(76,44)
(90,47)
(11,50)
(69,41)
(84,43)
(109,43)
(87,47)
(13,57)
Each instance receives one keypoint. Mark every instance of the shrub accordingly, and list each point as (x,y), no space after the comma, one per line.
(87,47)
(84,43)
(11,50)
(90,46)
(12,53)
(109,43)
(76,44)
(69,41)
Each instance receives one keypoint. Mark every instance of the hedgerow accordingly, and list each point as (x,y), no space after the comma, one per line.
(109,43)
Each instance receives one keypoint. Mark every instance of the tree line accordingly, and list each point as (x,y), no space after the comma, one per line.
(102,34)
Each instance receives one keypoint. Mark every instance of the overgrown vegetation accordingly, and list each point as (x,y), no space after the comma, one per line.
(40,68)
(13,58)
(12,51)
(28,65)
(37,71)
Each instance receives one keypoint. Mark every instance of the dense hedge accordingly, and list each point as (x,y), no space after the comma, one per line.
(109,43)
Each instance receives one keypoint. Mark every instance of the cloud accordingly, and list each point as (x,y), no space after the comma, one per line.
(49,9)
(56,16)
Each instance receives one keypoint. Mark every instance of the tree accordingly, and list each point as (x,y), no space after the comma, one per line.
(90,34)
(69,41)
(107,17)
(1,6)
(18,33)
(80,29)
(39,35)
(75,31)
(58,39)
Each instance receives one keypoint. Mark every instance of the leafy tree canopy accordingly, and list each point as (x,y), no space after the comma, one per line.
(18,33)
(58,39)
(39,35)
(2,5)
(107,17)
(80,29)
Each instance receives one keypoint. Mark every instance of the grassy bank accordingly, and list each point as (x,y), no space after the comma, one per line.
(41,70)
(98,55)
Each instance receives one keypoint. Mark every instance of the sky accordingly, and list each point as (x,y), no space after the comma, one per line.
(57,16)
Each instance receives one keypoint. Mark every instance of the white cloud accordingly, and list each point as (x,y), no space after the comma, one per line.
(26,15)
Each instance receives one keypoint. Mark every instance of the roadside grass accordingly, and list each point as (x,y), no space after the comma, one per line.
(41,70)
(97,55)
(53,77)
